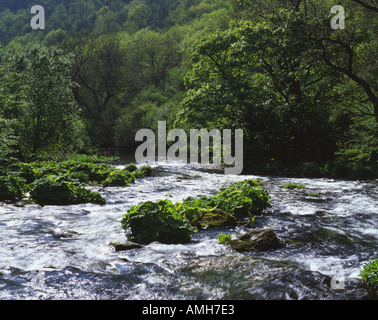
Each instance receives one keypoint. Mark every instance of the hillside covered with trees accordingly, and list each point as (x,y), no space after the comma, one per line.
(304,93)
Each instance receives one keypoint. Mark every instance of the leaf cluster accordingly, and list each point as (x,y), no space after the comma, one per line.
(224,238)
(369,275)
(54,190)
(11,188)
(158,221)
(66,178)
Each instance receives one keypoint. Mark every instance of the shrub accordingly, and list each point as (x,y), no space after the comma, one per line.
(78,177)
(143,172)
(131,167)
(243,199)
(96,172)
(224,238)
(159,221)
(29,172)
(193,208)
(292,185)
(11,188)
(53,190)
(119,178)
(369,275)
(311,169)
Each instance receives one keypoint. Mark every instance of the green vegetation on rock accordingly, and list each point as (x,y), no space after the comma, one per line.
(369,275)
(224,238)
(53,190)
(293,185)
(167,222)
(158,221)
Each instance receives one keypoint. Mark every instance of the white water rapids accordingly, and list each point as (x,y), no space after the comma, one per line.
(64,253)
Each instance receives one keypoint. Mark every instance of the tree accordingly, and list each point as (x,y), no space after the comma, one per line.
(104,72)
(38,98)
(265,79)
(156,54)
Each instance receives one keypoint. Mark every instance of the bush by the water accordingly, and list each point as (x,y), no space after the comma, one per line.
(54,190)
(243,199)
(119,178)
(150,221)
(167,222)
(224,238)
(369,275)
(142,172)
(11,188)
(131,167)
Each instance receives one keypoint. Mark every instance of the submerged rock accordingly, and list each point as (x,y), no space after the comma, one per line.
(256,240)
(125,246)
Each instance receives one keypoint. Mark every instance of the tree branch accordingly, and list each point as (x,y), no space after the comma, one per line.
(366,5)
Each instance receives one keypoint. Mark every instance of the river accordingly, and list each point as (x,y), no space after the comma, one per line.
(63,252)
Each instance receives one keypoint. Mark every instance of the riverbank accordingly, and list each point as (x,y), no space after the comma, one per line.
(334,169)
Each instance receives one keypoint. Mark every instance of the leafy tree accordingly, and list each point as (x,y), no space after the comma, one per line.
(263,78)
(39,100)
(104,71)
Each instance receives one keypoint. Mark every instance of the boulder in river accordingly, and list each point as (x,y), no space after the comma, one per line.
(217,218)
(125,246)
(256,240)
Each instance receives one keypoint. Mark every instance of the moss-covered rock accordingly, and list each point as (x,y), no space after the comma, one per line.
(131,167)
(215,219)
(125,246)
(256,240)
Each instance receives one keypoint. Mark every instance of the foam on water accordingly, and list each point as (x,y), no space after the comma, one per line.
(71,243)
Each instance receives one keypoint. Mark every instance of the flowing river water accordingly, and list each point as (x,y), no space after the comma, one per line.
(64,253)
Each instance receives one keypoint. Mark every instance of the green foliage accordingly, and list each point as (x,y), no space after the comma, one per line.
(293,185)
(11,188)
(302,92)
(311,169)
(8,142)
(194,208)
(142,172)
(131,167)
(243,199)
(37,96)
(167,222)
(119,178)
(159,221)
(53,190)
(224,238)
(369,275)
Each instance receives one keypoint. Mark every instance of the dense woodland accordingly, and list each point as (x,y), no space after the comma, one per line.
(304,93)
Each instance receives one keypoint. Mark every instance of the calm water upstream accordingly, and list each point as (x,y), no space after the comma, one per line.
(64,252)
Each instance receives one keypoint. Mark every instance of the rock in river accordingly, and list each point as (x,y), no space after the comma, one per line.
(256,240)
(218,218)
(125,246)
